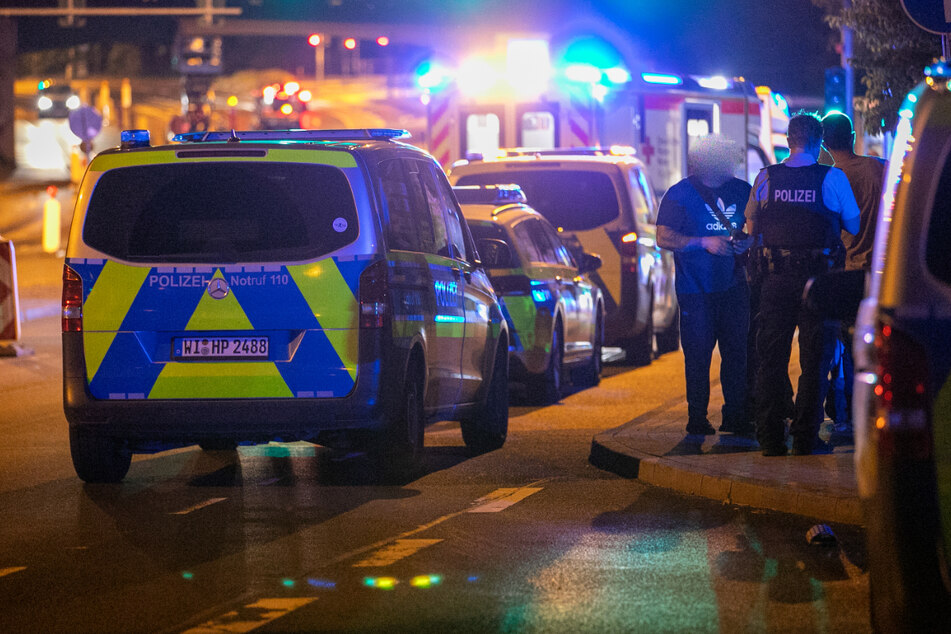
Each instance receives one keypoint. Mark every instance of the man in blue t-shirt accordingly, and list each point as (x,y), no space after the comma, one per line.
(700,220)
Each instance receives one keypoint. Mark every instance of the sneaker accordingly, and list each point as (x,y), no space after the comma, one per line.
(702,428)
(842,434)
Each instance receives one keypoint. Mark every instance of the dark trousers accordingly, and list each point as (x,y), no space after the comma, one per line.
(781,311)
(708,320)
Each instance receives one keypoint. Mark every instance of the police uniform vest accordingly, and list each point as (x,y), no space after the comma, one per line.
(794,216)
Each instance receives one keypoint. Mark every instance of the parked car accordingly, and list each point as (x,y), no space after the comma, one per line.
(555,311)
(244,287)
(600,202)
(902,390)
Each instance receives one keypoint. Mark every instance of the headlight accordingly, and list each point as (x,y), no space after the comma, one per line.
(44,103)
(73,102)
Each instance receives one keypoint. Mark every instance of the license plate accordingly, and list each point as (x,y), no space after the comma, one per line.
(218,348)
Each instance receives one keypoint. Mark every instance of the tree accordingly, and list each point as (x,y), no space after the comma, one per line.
(890,53)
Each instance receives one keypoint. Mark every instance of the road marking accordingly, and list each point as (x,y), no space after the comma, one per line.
(419,529)
(9,571)
(501,499)
(200,505)
(392,553)
(251,616)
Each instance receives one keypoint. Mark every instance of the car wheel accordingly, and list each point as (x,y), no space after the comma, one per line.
(669,340)
(399,448)
(640,350)
(589,375)
(487,429)
(547,387)
(98,458)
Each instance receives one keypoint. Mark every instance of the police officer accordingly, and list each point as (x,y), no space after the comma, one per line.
(797,209)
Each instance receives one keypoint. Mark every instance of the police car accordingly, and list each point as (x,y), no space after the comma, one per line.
(601,202)
(246,287)
(555,312)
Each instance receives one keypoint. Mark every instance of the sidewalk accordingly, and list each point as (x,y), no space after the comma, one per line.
(655,449)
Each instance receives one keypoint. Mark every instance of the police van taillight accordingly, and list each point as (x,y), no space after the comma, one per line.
(72,300)
(902,408)
(373,295)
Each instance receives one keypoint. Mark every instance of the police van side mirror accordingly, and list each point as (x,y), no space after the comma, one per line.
(496,254)
(589,262)
(836,294)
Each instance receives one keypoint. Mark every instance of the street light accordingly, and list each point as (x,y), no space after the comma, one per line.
(316,41)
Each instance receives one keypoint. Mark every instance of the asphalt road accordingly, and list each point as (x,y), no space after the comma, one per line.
(283,538)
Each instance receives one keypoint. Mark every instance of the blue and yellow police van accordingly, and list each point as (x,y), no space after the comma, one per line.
(554,309)
(247,287)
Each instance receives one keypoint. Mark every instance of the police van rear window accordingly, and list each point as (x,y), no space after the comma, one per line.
(575,200)
(221,212)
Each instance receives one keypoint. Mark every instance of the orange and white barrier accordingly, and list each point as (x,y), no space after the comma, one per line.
(9,301)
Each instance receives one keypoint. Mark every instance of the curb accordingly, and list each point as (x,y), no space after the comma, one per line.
(610,455)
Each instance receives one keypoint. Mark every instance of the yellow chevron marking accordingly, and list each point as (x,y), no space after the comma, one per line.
(219,314)
(95,347)
(220,380)
(333,304)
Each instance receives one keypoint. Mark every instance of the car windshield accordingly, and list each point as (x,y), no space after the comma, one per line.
(221,212)
(575,200)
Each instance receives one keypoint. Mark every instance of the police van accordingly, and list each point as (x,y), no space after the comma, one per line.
(247,287)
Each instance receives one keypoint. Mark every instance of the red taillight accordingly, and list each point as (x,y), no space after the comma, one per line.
(628,249)
(72,300)
(902,398)
(373,295)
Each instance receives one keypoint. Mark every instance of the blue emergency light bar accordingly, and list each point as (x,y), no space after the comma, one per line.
(489,194)
(661,78)
(134,138)
(362,134)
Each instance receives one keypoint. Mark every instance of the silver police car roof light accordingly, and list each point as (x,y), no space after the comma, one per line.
(502,194)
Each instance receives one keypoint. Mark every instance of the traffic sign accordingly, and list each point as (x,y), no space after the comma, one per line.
(85,122)
(931,15)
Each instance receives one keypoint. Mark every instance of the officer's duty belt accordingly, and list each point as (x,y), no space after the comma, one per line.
(807,261)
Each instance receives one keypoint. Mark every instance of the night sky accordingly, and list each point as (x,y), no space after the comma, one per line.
(782,43)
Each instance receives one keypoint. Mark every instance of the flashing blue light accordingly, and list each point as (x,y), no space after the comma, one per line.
(134,138)
(906,113)
(432,76)
(781,103)
(583,73)
(912,97)
(617,75)
(717,82)
(660,78)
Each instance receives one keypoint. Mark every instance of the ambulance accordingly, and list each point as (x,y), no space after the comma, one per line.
(658,115)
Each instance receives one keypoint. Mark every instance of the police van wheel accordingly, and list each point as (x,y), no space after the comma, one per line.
(400,447)
(98,458)
(547,387)
(488,428)
(669,340)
